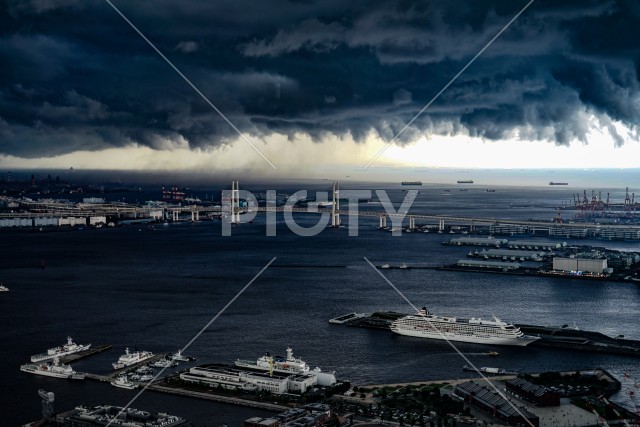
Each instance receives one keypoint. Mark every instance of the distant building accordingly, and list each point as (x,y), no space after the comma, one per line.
(104,415)
(490,402)
(533,393)
(580,264)
(500,265)
(234,378)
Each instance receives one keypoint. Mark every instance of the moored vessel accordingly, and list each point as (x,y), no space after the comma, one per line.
(128,358)
(53,369)
(123,382)
(288,365)
(489,370)
(63,350)
(474,330)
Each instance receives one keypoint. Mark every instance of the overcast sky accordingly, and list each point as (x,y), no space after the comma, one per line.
(319,83)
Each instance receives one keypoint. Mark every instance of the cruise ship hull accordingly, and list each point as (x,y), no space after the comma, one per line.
(476,339)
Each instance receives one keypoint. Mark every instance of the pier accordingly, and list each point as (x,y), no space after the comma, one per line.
(95,349)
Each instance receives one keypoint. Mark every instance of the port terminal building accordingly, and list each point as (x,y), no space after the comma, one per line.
(234,378)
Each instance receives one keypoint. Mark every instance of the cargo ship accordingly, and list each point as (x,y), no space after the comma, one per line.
(558,183)
(411,182)
(465,181)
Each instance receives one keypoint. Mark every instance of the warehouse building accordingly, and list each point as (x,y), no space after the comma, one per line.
(532,393)
(580,264)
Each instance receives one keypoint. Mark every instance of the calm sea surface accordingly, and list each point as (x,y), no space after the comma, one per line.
(154,290)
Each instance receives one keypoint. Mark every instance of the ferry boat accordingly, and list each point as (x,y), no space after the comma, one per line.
(54,369)
(288,365)
(128,358)
(123,382)
(68,348)
(474,330)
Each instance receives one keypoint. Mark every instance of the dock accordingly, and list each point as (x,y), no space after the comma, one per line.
(112,375)
(550,336)
(73,357)
(217,397)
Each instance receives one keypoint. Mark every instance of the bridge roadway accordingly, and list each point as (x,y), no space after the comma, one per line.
(173,212)
(461,220)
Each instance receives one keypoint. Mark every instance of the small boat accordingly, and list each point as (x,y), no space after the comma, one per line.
(489,370)
(385,266)
(164,363)
(403,266)
(122,382)
(493,353)
(3,288)
(146,378)
(180,358)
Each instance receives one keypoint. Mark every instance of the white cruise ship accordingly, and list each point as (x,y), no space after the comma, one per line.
(55,369)
(288,365)
(472,330)
(128,358)
(68,348)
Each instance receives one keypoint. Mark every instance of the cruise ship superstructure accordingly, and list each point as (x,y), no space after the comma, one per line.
(474,330)
(128,358)
(289,365)
(68,348)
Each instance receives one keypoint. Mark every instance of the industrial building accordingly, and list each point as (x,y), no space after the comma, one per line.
(511,254)
(580,264)
(536,245)
(501,265)
(532,393)
(311,415)
(110,415)
(234,378)
(477,241)
(509,229)
(489,401)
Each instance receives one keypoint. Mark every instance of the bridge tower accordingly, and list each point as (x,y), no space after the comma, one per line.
(335,205)
(235,202)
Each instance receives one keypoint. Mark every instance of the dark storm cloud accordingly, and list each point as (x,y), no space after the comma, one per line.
(75,76)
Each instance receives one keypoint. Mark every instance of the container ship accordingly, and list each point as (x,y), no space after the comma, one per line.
(472,330)
(68,348)
(465,181)
(558,183)
(411,182)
